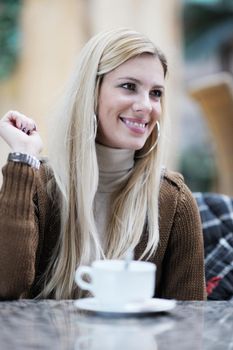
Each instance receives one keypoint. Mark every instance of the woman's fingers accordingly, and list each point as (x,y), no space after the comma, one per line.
(20,121)
(20,132)
(28,129)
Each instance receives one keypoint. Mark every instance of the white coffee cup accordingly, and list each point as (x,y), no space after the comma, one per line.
(111,283)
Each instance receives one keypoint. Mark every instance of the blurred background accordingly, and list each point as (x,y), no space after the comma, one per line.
(40,41)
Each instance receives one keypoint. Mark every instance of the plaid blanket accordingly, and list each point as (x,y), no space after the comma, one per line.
(217,222)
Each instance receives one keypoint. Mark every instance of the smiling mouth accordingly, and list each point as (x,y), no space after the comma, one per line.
(134,123)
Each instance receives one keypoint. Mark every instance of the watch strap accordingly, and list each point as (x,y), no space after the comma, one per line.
(24,158)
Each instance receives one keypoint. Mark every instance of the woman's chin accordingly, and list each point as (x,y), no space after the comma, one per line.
(137,147)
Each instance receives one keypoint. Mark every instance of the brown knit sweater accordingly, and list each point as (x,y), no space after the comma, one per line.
(29,229)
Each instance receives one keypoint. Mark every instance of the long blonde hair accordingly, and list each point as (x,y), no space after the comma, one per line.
(76,169)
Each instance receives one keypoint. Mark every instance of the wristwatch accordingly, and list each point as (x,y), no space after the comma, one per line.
(24,158)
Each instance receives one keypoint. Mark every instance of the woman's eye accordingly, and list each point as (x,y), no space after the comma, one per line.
(157,93)
(129,86)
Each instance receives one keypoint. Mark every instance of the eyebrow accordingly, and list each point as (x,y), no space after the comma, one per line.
(140,83)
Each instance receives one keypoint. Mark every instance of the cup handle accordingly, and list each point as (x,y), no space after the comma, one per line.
(80,272)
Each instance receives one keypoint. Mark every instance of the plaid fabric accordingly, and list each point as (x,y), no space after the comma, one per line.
(217,222)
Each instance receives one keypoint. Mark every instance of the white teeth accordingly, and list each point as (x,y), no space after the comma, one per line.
(138,125)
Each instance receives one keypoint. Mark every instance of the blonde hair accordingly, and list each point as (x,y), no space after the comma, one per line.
(76,170)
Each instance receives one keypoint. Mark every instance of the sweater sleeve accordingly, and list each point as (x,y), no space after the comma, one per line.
(184,260)
(18,230)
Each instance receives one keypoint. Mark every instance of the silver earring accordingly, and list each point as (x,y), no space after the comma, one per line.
(157,125)
(95,124)
(93,136)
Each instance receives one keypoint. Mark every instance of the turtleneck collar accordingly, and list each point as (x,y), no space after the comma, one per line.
(115,166)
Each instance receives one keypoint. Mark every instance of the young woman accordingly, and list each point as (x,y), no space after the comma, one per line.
(104,190)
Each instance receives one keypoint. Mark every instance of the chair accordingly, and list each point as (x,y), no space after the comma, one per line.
(216,212)
(215,96)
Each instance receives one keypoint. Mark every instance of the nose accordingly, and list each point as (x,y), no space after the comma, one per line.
(143,104)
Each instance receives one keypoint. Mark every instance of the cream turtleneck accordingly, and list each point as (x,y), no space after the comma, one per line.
(115,166)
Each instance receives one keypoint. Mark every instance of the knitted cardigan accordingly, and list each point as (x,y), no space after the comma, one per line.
(29,230)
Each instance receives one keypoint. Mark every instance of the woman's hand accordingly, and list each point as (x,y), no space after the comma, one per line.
(20,133)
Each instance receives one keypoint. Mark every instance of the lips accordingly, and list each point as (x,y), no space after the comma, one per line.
(134,123)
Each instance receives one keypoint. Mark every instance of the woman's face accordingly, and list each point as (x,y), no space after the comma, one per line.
(130,102)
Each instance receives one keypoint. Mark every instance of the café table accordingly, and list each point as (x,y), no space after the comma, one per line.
(50,324)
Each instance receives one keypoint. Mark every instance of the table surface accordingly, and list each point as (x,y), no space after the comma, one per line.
(49,324)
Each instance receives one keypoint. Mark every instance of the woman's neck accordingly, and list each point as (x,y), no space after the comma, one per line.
(115,165)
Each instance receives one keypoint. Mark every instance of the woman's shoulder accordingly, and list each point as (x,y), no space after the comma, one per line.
(172,180)
(173,188)
(174,192)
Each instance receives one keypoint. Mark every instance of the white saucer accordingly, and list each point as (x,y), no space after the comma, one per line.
(150,306)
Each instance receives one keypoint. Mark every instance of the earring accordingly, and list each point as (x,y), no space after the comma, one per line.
(95,124)
(93,136)
(157,125)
